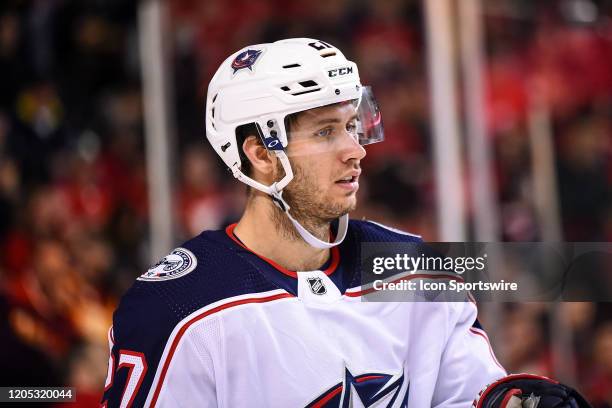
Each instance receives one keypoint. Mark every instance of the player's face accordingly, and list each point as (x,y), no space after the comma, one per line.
(325,156)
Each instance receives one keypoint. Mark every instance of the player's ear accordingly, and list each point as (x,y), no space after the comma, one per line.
(262,162)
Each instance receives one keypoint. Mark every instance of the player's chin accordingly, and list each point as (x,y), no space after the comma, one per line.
(347,204)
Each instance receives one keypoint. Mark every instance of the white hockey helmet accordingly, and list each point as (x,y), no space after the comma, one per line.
(262,84)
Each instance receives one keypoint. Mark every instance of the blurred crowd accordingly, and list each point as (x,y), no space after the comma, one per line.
(73,186)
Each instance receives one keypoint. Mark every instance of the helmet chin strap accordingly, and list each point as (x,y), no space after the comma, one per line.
(304,233)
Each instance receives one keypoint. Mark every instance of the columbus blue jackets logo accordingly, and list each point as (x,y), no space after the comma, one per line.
(174,265)
(366,390)
(245,59)
(317,286)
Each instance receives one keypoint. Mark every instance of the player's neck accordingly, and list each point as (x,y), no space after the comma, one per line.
(267,231)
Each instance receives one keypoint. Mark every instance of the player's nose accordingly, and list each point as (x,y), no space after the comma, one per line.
(351,149)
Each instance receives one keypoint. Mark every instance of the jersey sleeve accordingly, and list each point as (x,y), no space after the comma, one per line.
(154,360)
(166,341)
(139,334)
(468,363)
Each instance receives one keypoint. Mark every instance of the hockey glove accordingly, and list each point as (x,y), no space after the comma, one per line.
(529,391)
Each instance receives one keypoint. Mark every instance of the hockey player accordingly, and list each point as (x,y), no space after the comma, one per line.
(268,312)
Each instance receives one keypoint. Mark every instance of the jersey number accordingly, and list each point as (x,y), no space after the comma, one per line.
(137,366)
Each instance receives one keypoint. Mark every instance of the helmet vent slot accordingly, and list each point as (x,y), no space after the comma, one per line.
(291,66)
(309,83)
(285,88)
(305,92)
(328,54)
(215,98)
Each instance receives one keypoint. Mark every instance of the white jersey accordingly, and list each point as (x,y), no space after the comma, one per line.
(215,325)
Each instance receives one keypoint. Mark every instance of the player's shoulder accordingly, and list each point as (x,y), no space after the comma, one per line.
(371,231)
(198,255)
(199,272)
(205,254)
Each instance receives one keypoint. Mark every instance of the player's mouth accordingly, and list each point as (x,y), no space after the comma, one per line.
(350,181)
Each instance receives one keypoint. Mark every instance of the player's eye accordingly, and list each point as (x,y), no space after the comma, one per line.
(351,127)
(326,132)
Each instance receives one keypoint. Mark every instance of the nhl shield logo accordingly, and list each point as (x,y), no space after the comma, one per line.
(317,286)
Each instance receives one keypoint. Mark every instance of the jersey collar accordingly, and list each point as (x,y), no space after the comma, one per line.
(335,255)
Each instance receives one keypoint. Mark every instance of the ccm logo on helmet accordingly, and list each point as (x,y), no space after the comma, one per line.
(340,71)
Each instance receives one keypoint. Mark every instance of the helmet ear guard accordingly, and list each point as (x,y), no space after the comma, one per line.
(270,140)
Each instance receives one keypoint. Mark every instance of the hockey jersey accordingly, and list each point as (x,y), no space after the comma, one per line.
(216,325)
